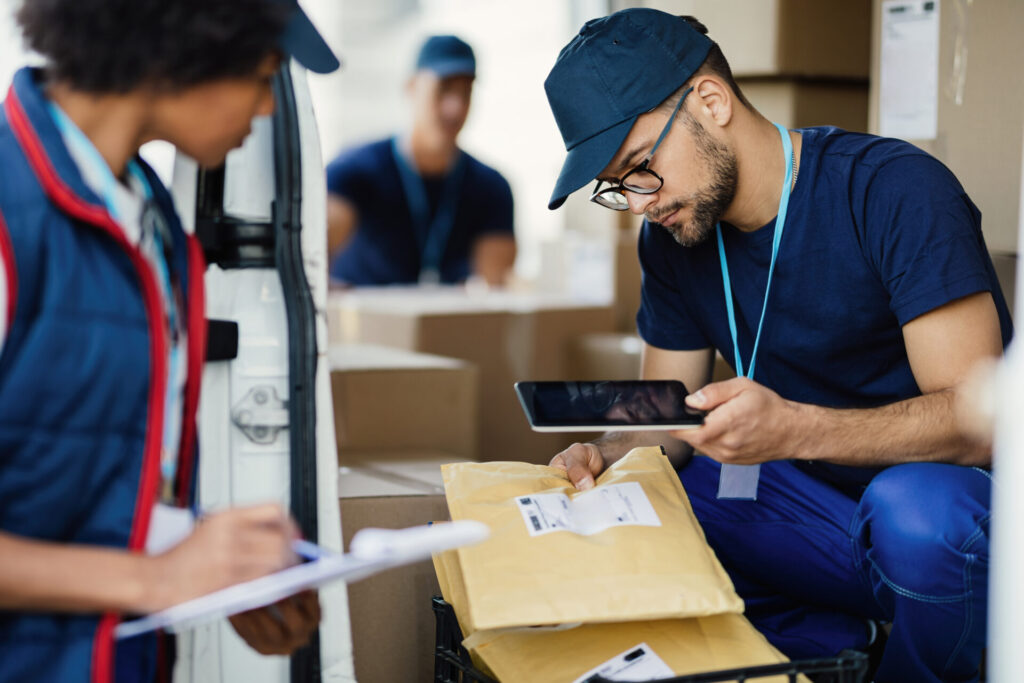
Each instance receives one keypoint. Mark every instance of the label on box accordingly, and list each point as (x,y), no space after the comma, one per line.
(588,513)
(638,663)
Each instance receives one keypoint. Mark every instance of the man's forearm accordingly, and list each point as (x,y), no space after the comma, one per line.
(921,429)
(614,445)
(35,575)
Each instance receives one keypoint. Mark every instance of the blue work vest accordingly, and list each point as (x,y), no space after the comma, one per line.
(82,378)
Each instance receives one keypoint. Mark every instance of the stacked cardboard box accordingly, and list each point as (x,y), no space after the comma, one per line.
(980,107)
(392,626)
(508,337)
(387,399)
(800,62)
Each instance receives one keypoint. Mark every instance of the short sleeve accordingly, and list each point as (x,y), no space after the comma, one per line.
(923,236)
(351,177)
(664,320)
(498,198)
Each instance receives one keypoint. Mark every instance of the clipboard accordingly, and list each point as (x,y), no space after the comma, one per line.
(371,551)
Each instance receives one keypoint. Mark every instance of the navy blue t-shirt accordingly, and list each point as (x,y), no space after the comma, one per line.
(877,233)
(385,248)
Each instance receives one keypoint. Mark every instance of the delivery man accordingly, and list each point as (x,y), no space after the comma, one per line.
(102,329)
(845,278)
(416,207)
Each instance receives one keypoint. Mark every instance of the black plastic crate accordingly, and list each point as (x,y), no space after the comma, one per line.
(452,663)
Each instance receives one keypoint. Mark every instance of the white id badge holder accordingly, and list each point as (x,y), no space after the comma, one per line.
(738,482)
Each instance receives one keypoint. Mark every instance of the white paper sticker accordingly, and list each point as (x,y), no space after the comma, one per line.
(909,69)
(738,482)
(168,526)
(590,512)
(638,663)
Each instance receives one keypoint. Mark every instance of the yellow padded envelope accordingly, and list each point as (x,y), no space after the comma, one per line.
(631,549)
(685,646)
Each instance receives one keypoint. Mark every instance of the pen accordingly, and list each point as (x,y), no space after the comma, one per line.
(308,550)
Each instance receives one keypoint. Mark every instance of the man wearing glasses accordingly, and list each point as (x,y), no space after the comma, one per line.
(845,278)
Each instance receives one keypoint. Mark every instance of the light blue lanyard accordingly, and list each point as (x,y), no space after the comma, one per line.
(740,481)
(432,235)
(780,223)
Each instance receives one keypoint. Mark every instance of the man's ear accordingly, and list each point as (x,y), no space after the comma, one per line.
(715,99)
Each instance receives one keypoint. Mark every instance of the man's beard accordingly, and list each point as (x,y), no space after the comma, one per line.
(709,203)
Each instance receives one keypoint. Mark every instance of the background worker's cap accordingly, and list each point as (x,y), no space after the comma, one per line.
(615,69)
(302,41)
(446,56)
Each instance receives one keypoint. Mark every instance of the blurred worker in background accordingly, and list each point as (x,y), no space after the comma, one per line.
(863,262)
(415,207)
(102,330)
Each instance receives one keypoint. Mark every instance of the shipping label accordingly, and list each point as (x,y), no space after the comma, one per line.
(590,512)
(638,663)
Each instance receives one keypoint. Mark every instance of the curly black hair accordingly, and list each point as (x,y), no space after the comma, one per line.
(115,46)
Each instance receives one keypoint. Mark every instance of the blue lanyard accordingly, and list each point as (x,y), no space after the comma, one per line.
(432,235)
(780,223)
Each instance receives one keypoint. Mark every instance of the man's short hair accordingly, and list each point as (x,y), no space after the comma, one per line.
(115,46)
(715,63)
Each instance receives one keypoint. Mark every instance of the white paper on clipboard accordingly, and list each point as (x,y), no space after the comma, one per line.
(372,551)
(908,102)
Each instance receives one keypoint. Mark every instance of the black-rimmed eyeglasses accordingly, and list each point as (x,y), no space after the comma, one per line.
(640,179)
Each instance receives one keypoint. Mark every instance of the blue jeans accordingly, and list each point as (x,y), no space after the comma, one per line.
(814,564)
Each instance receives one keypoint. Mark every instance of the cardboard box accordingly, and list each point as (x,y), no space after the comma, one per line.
(980,134)
(390,399)
(392,622)
(508,337)
(617,356)
(796,103)
(784,37)
(606,355)
(1006,270)
(628,277)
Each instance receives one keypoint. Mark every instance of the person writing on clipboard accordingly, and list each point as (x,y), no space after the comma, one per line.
(102,331)
(845,278)
(415,207)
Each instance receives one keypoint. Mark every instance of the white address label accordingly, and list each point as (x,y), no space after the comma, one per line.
(590,512)
(638,663)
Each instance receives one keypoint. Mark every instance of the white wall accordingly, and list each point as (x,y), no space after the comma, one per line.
(12,54)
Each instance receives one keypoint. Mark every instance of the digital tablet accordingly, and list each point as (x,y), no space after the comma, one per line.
(607,405)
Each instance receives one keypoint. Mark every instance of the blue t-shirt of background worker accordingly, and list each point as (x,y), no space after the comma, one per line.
(385,248)
(878,233)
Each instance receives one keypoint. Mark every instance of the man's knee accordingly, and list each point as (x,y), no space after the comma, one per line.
(921,522)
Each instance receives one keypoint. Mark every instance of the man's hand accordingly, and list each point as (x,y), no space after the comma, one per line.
(224,549)
(746,423)
(581,462)
(282,628)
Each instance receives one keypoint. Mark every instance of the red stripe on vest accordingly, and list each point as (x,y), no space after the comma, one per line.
(196,356)
(10,271)
(149,480)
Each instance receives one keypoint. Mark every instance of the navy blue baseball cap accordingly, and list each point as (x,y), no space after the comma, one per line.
(617,68)
(446,56)
(302,41)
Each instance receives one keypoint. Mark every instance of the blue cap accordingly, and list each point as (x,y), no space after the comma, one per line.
(302,41)
(446,56)
(615,69)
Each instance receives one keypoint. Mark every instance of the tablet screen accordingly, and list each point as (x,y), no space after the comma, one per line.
(650,404)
